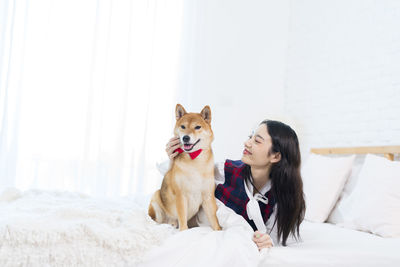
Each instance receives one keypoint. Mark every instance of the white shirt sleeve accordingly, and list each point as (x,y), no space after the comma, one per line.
(271,228)
(163,166)
(219,173)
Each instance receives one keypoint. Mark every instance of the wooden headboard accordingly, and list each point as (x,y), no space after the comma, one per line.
(388,151)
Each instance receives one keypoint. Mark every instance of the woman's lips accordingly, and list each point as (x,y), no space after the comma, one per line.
(246,152)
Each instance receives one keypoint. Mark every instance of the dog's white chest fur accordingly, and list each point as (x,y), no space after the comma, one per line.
(193,185)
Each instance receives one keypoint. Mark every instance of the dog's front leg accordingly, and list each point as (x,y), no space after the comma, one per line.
(210,208)
(181,207)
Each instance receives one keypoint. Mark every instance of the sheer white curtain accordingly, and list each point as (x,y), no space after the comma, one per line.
(87,93)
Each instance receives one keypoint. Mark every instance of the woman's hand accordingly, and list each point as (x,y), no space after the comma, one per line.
(173,144)
(262,240)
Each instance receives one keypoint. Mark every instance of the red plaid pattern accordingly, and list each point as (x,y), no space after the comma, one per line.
(233,193)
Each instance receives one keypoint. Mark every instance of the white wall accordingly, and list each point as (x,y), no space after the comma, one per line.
(233,59)
(330,69)
(343,72)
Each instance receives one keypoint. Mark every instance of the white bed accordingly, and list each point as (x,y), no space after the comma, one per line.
(325,244)
(41,228)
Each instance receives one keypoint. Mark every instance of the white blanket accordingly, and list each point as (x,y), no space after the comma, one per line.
(39,228)
(201,246)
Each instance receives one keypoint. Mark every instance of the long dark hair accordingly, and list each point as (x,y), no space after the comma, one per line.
(285,177)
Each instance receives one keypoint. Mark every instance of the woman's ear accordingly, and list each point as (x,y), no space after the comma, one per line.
(276,157)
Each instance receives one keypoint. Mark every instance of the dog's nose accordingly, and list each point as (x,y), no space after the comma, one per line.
(186,138)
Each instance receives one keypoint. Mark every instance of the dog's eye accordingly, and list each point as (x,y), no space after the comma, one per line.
(183,127)
(197,127)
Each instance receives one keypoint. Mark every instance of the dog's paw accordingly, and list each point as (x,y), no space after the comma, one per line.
(183,228)
(217,228)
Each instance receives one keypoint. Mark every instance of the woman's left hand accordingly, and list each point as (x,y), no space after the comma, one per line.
(262,240)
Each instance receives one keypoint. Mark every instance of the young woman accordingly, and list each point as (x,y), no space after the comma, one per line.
(268,174)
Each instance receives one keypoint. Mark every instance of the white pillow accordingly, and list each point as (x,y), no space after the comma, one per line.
(337,215)
(323,181)
(374,204)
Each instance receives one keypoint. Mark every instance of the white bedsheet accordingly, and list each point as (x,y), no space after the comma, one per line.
(40,228)
(321,244)
(325,244)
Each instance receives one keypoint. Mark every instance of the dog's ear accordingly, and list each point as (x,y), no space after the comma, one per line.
(179,111)
(206,114)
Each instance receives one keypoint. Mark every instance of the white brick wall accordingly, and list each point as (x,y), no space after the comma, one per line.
(233,60)
(343,72)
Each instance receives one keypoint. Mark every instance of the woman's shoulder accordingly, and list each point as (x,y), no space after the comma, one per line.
(228,163)
(221,168)
(234,163)
(233,167)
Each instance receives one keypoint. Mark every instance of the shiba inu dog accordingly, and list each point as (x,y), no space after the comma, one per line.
(189,183)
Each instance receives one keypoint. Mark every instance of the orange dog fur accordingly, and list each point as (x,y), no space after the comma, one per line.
(188,184)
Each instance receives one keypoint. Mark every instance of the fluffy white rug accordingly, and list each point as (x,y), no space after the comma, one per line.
(41,228)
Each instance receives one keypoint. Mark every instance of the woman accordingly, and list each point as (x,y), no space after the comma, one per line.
(269,170)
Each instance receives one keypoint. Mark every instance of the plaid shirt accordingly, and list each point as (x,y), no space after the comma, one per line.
(233,193)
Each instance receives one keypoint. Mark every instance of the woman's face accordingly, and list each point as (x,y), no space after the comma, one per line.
(257,147)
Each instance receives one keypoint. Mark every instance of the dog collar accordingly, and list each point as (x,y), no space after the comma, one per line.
(193,155)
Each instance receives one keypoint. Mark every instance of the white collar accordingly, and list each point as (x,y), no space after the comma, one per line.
(263,190)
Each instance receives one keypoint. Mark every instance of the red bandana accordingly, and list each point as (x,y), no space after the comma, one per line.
(193,155)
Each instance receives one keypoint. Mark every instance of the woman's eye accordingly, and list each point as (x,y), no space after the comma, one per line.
(249,136)
(183,127)
(197,127)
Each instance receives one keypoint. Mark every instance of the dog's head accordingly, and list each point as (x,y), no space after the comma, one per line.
(194,129)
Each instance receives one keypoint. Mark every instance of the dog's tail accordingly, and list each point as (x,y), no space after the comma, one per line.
(156,211)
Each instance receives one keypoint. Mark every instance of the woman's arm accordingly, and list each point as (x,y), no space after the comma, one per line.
(164,166)
(171,146)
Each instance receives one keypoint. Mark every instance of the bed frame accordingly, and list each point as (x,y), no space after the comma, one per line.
(387,151)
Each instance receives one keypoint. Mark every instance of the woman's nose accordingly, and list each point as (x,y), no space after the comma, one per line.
(247,143)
